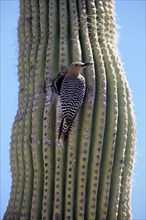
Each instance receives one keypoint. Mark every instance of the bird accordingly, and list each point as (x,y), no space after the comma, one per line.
(72,93)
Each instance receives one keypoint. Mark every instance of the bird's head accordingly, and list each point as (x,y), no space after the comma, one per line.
(76,67)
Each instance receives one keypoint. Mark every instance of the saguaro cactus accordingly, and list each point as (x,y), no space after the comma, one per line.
(89,175)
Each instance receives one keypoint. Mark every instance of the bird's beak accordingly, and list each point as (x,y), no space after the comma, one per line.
(87,64)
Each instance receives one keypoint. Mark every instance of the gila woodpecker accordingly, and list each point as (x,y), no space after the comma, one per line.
(71,96)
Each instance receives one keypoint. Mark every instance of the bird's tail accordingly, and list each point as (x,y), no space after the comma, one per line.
(65,128)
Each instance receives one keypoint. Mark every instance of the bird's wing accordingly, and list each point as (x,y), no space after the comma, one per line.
(72,95)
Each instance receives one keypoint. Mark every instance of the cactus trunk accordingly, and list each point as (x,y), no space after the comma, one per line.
(89,175)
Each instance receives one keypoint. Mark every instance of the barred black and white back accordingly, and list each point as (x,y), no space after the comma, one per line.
(71,96)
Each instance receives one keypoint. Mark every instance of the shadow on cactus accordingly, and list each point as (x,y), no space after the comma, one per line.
(87,175)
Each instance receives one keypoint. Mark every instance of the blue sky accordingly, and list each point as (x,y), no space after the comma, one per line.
(131,18)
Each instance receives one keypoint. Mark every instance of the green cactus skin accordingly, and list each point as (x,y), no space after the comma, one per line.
(87,176)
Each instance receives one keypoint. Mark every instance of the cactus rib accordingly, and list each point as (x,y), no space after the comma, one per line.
(99,116)
(72,144)
(37,114)
(85,115)
(49,112)
(60,151)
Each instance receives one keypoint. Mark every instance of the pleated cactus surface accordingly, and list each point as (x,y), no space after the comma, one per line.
(88,176)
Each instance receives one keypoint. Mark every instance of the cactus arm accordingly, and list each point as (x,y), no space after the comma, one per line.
(37,115)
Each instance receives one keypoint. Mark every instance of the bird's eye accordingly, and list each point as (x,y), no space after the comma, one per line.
(76,64)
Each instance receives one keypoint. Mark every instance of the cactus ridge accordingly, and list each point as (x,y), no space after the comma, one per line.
(29,170)
(87,176)
(85,116)
(21,127)
(99,116)
(19,117)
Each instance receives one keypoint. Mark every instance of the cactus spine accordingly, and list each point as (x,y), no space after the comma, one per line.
(89,175)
